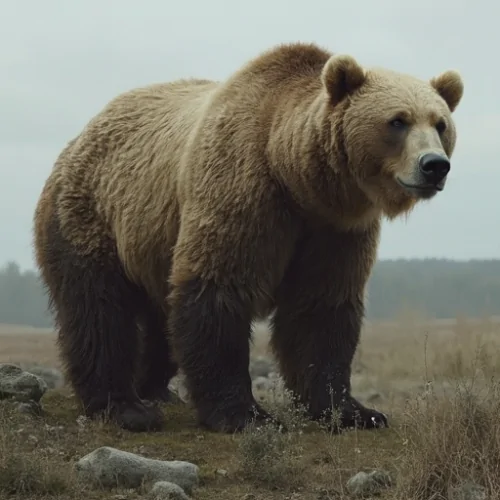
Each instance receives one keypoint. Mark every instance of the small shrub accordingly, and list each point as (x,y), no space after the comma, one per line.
(26,475)
(268,457)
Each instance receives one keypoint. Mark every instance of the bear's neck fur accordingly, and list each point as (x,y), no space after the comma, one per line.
(307,153)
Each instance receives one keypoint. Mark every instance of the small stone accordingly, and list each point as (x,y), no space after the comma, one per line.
(163,490)
(177,387)
(109,467)
(367,484)
(20,385)
(221,472)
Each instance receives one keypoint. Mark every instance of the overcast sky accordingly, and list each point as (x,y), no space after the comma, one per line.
(61,61)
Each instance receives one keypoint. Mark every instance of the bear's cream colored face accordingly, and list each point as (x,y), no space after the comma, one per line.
(399,133)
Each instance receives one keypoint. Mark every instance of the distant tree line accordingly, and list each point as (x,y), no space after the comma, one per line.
(22,297)
(438,288)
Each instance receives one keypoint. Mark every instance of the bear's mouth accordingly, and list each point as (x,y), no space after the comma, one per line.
(421,190)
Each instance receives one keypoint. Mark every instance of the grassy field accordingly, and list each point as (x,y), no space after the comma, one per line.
(435,379)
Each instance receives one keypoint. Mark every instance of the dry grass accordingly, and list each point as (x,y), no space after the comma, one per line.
(435,379)
(451,441)
(21,344)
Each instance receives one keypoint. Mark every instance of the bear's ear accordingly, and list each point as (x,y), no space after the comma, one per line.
(450,87)
(341,76)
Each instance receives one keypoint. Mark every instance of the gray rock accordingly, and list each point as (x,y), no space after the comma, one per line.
(468,491)
(163,490)
(178,386)
(109,467)
(20,385)
(367,484)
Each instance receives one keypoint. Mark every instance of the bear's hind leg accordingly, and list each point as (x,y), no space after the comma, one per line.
(95,312)
(157,366)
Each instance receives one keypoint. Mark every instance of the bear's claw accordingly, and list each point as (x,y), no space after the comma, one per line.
(353,415)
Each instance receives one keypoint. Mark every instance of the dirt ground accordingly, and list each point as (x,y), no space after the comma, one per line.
(397,364)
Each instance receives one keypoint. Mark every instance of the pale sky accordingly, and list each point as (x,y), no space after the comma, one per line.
(62,60)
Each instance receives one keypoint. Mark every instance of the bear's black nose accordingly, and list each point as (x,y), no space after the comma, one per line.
(434,167)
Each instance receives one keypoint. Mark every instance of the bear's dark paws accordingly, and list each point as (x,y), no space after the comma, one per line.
(364,418)
(231,420)
(353,415)
(137,417)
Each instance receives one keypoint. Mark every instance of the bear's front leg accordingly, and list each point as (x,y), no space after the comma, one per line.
(315,345)
(318,320)
(230,254)
(210,328)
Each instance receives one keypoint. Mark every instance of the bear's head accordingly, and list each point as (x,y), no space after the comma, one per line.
(397,131)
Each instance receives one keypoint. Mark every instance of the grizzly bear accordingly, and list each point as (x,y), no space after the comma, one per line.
(185,210)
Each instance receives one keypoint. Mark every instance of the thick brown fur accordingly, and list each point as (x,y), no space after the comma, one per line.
(196,206)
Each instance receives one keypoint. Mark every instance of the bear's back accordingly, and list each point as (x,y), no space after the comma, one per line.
(122,168)
(135,140)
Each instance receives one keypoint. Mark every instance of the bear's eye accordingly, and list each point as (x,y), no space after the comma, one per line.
(397,123)
(441,126)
